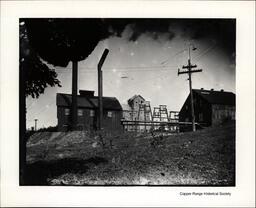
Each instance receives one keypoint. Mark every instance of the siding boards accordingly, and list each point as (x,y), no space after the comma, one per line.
(88,122)
(207,112)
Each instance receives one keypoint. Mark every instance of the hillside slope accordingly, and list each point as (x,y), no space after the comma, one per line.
(205,157)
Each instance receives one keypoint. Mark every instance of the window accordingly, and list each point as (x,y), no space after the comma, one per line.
(67,111)
(80,112)
(110,114)
(92,113)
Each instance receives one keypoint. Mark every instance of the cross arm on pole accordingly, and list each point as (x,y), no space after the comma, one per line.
(182,72)
(196,70)
(191,71)
(189,66)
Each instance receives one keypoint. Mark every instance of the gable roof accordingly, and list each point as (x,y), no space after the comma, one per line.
(110,103)
(135,96)
(217,97)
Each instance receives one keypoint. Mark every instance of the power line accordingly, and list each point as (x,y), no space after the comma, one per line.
(163,62)
(131,69)
(114,67)
(205,52)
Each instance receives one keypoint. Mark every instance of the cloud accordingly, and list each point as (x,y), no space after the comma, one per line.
(223,31)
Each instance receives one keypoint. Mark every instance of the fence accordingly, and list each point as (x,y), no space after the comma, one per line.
(163,126)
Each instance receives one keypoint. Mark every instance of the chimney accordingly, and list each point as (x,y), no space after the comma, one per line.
(222,90)
(86,93)
(100,88)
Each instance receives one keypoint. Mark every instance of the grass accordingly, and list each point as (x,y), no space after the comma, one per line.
(205,157)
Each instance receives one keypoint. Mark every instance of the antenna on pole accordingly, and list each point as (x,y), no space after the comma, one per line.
(189,71)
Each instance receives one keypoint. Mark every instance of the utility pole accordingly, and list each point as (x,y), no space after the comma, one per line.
(74,95)
(36,124)
(189,71)
(100,87)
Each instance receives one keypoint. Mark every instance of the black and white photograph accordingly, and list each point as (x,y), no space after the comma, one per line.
(125,101)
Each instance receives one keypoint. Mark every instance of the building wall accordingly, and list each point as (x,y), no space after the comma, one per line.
(135,103)
(222,112)
(112,120)
(202,110)
(127,115)
(206,114)
(87,119)
(63,121)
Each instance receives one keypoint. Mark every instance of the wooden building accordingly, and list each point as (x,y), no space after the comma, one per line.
(137,109)
(210,107)
(87,111)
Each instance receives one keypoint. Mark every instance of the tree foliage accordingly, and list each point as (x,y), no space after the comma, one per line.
(59,41)
(37,75)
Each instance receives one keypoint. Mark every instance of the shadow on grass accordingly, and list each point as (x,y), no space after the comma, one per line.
(38,172)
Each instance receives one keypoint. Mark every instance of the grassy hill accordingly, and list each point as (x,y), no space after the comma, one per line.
(205,157)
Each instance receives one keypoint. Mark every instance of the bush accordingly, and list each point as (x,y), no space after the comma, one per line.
(48,129)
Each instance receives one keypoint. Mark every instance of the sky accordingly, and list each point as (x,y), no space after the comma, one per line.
(144,60)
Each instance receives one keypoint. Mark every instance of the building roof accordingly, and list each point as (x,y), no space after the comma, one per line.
(217,97)
(110,103)
(135,96)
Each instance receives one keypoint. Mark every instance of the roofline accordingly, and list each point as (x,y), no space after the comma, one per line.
(195,90)
(130,99)
(94,107)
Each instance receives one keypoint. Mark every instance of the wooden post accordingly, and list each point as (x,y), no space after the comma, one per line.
(74,95)
(100,88)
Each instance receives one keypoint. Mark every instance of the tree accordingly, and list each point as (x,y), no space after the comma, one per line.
(59,41)
(56,41)
(35,76)
(36,73)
